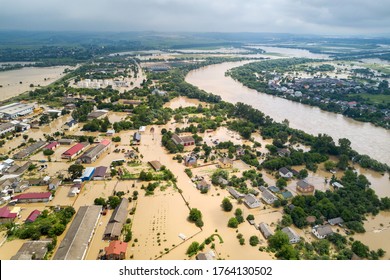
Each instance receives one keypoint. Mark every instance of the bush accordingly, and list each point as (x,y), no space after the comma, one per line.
(48,152)
(253,240)
(193,248)
(227,205)
(233,223)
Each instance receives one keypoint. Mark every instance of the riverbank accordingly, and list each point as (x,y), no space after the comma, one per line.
(309,119)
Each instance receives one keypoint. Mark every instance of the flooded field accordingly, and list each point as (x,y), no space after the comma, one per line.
(183,102)
(15,82)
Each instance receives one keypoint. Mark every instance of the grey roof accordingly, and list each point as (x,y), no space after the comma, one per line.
(155,164)
(6,126)
(336,221)
(113,230)
(303,184)
(274,189)
(75,243)
(235,193)
(251,201)
(118,218)
(37,248)
(284,170)
(137,136)
(265,230)
(182,139)
(324,230)
(30,150)
(120,213)
(93,152)
(96,114)
(226,160)
(100,171)
(203,185)
(268,196)
(65,141)
(223,181)
(291,233)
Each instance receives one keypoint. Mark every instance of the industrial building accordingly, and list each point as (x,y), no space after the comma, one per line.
(88,173)
(6,127)
(32,250)
(15,110)
(75,243)
(95,152)
(118,218)
(74,151)
(30,150)
(33,197)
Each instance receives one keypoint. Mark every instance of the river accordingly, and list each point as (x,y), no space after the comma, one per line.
(365,137)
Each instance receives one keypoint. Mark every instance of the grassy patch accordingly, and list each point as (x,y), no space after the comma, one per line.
(376,98)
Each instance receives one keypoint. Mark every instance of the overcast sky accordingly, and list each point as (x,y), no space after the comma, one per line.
(344,17)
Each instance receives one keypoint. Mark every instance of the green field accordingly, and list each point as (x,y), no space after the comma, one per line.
(379,67)
(376,98)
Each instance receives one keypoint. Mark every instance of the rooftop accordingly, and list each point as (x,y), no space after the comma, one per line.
(41,195)
(116,248)
(76,240)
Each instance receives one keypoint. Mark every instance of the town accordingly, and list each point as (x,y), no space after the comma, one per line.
(123,160)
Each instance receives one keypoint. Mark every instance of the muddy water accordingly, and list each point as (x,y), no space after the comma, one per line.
(377,233)
(10,80)
(183,102)
(365,137)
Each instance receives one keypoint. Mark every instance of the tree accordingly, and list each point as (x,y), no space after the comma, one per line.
(195,215)
(233,223)
(343,162)
(113,201)
(279,239)
(287,252)
(286,220)
(329,165)
(25,137)
(100,201)
(193,248)
(250,217)
(281,183)
(76,170)
(298,216)
(48,152)
(360,249)
(44,119)
(253,240)
(227,205)
(56,230)
(302,174)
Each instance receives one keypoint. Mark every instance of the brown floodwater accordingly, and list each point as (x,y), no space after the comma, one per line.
(377,233)
(10,80)
(365,137)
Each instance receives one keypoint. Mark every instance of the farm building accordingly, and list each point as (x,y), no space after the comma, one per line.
(33,197)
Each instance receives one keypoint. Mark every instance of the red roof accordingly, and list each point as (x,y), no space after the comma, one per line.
(33,216)
(105,142)
(51,145)
(116,248)
(41,195)
(74,150)
(5,213)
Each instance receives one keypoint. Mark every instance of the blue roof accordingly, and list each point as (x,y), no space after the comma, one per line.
(87,174)
(71,123)
(274,189)
(287,194)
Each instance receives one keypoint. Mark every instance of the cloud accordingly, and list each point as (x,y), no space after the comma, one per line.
(299,16)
